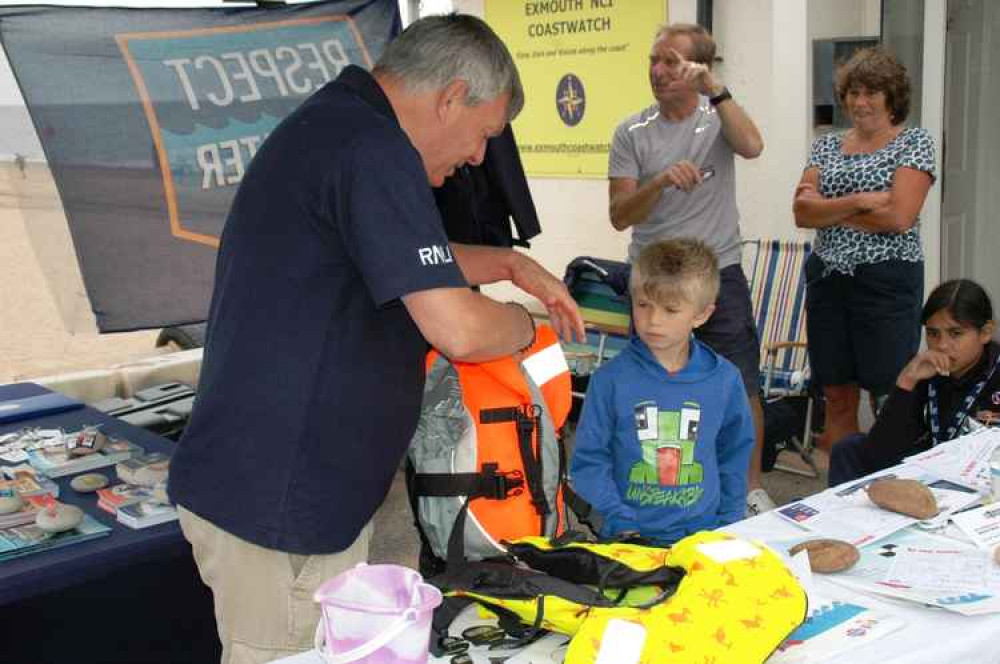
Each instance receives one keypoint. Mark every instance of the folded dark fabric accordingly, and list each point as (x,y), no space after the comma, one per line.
(36,406)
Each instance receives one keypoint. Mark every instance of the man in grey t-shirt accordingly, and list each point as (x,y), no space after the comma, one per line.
(672,175)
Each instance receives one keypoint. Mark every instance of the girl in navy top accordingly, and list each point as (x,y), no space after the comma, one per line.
(939,392)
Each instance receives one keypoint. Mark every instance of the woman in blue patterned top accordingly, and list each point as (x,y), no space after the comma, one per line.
(862,191)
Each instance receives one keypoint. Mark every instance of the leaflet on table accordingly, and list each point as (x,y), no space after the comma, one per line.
(964,459)
(833,628)
(57,461)
(981,525)
(28,539)
(14,447)
(28,481)
(848,514)
(926,569)
(145,513)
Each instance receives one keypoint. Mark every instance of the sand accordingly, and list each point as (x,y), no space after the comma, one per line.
(34,339)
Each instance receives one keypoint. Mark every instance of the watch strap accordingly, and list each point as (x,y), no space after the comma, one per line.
(721,97)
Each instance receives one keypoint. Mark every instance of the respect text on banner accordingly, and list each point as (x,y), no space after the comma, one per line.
(149,118)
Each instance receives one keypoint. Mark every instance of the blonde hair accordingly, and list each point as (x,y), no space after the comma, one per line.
(680,268)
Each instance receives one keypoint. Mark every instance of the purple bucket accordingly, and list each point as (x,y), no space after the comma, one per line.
(376,614)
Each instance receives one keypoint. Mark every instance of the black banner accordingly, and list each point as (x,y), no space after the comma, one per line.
(149,117)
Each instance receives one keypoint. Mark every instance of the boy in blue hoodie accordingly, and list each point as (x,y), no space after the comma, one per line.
(665,435)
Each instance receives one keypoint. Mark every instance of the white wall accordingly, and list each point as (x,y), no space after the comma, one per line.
(986,267)
(765,48)
(843,18)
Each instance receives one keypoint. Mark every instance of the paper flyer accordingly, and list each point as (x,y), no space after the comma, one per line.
(833,628)
(848,514)
(926,569)
(981,525)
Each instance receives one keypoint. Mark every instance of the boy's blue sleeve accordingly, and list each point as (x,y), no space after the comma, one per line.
(592,469)
(733,447)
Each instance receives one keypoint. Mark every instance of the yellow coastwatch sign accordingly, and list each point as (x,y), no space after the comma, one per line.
(584,66)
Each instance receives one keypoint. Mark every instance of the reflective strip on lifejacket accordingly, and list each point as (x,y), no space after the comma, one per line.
(546,364)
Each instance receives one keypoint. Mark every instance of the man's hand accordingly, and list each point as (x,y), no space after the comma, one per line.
(698,76)
(564,314)
(684,175)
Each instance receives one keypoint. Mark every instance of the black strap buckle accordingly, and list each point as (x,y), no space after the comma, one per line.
(497,485)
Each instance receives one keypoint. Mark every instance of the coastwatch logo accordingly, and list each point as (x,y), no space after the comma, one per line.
(571,100)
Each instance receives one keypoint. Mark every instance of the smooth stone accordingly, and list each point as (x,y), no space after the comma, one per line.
(151,475)
(89,482)
(59,518)
(10,502)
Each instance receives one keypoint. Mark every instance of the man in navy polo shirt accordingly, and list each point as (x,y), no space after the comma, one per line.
(333,275)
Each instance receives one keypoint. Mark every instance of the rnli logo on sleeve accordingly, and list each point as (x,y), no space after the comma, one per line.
(571,100)
(435,255)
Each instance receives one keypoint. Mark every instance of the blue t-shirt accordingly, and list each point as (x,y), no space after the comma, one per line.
(313,370)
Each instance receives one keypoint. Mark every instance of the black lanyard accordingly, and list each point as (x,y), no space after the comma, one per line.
(959,419)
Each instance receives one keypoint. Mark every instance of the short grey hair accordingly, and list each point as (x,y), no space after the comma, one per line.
(702,44)
(436,50)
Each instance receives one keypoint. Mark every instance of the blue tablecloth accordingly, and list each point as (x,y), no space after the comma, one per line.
(132,596)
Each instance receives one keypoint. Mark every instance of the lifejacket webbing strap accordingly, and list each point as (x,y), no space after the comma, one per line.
(528,420)
(585,512)
(444,615)
(486,484)
(496,415)
(529,426)
(456,541)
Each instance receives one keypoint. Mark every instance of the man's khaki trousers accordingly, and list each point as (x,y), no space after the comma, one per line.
(264,606)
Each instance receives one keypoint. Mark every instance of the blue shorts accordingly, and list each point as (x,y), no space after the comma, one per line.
(731,331)
(863,328)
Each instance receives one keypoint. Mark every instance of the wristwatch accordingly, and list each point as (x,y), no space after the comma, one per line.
(721,97)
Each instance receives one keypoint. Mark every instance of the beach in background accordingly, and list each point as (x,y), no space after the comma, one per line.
(35,340)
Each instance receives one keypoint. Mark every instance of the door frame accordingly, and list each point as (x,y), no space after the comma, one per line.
(932,119)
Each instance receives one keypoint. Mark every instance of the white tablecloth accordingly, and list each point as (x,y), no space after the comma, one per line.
(931,636)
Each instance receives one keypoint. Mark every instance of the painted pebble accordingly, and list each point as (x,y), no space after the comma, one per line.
(59,517)
(89,482)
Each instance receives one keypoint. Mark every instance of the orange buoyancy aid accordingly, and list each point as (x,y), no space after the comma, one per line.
(486,454)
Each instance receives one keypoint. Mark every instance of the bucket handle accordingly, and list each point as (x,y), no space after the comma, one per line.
(408,617)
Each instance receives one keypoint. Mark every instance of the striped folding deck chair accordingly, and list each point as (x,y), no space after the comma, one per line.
(778,292)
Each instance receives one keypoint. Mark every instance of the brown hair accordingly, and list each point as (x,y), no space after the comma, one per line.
(702,44)
(681,268)
(878,70)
